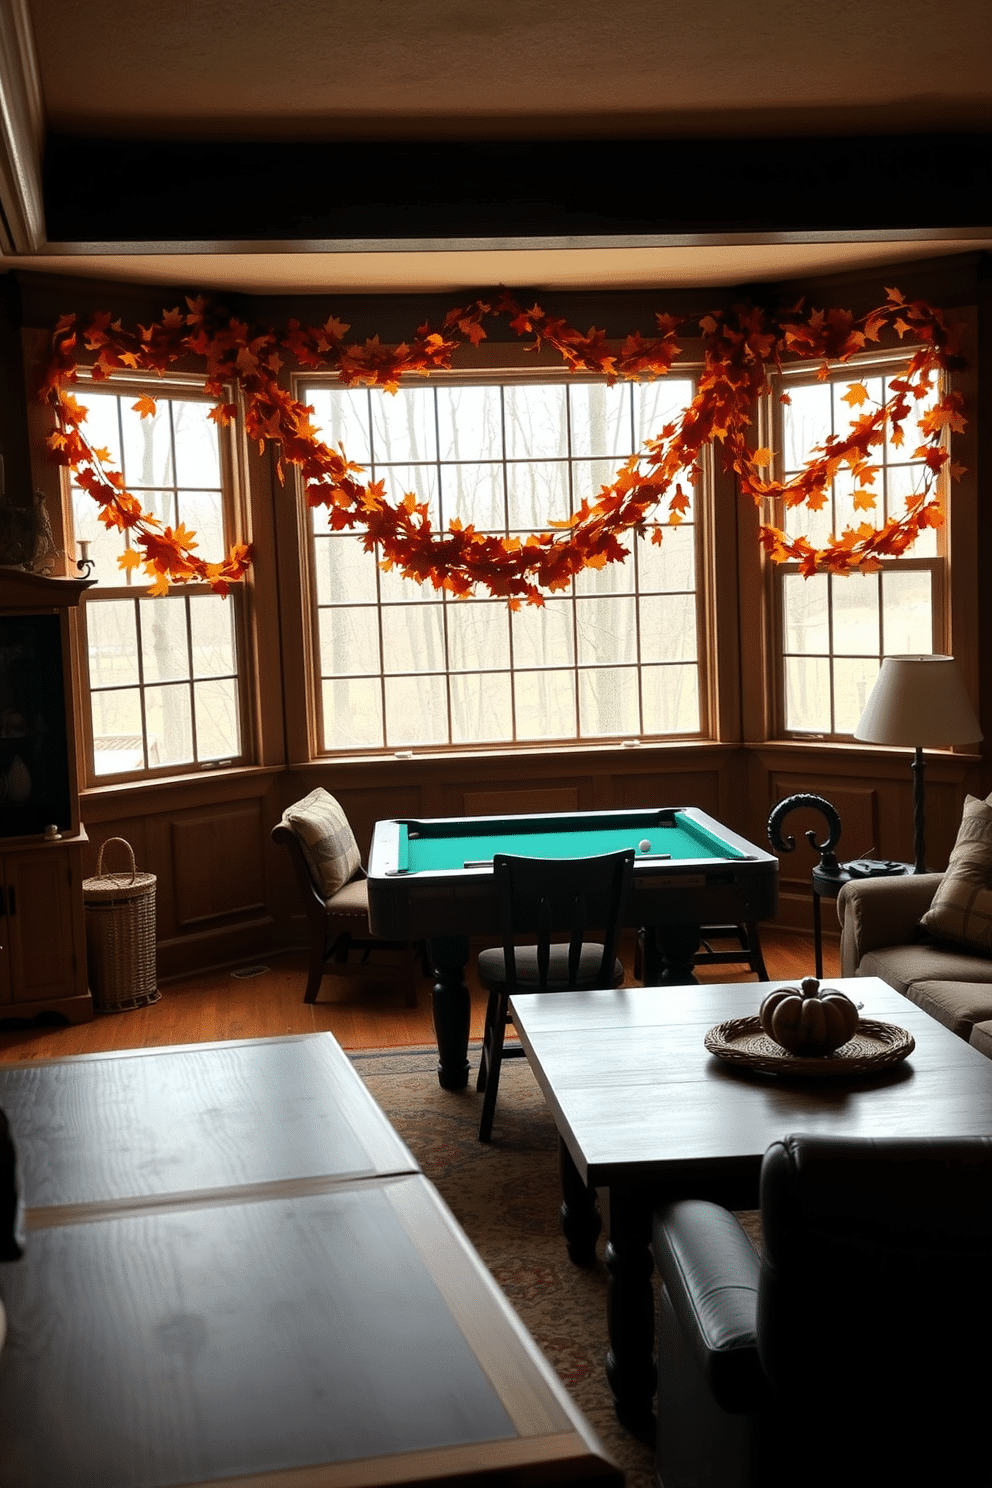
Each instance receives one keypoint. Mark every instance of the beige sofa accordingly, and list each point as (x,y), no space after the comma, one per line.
(881,935)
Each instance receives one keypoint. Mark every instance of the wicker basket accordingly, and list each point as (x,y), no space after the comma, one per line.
(120,935)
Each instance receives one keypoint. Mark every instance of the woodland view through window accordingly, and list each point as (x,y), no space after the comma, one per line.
(164,689)
(616,655)
(836,630)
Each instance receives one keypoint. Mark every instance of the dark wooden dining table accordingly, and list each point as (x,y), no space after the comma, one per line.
(646,1114)
(235,1271)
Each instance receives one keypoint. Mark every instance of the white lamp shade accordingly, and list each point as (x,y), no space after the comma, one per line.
(918,701)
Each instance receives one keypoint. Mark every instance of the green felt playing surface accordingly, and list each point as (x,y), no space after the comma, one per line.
(435,851)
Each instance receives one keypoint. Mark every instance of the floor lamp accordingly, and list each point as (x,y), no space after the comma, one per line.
(918,701)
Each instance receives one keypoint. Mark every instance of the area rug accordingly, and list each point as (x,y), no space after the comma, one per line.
(506,1196)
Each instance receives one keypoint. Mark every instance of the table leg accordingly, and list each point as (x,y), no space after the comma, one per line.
(580,1221)
(630,1366)
(817,936)
(669,952)
(452,1008)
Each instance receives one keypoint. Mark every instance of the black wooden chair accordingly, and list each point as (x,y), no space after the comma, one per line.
(855,1350)
(341,943)
(547,897)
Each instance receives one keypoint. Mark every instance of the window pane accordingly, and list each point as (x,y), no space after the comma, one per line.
(212,627)
(542,634)
(807,423)
(806,618)
(670,564)
(907,612)
(536,427)
(536,495)
(600,419)
(668,627)
(855,607)
(419,481)
(203,513)
(474,494)
(342,418)
(613,578)
(169,724)
(853,681)
(545,705)
(111,635)
(148,448)
(352,713)
(469,423)
(478,637)
(416,711)
(349,641)
(807,694)
(670,697)
(403,426)
(659,403)
(608,702)
(606,630)
(344,570)
(481,708)
(117,738)
(413,638)
(218,730)
(106,544)
(197,452)
(164,646)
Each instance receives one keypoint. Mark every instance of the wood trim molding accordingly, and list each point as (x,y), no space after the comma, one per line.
(22,229)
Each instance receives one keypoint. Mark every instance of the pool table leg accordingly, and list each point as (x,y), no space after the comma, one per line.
(669,952)
(452,1009)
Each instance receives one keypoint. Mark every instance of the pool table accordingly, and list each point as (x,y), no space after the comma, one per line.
(433,880)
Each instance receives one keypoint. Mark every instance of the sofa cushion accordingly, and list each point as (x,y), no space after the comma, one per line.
(981,1038)
(903,965)
(962,906)
(958,1005)
(326,838)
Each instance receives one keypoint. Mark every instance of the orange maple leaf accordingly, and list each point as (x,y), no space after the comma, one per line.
(856,394)
(145,406)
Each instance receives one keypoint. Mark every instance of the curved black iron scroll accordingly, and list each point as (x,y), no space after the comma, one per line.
(828,859)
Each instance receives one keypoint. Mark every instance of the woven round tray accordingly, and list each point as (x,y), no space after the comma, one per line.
(742,1041)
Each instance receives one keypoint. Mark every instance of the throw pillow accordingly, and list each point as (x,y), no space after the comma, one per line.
(962,906)
(326,838)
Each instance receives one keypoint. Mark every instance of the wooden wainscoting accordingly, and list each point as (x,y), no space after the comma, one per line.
(219,897)
(225,895)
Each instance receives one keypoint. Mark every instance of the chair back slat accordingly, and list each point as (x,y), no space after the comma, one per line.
(560,901)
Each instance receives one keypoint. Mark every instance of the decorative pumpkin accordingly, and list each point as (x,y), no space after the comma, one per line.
(808,1019)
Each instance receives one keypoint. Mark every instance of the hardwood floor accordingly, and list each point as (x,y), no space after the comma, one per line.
(361,1014)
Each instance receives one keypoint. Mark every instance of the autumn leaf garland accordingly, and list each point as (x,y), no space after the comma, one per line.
(740,348)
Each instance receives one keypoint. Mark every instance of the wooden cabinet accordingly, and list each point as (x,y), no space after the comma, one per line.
(42,934)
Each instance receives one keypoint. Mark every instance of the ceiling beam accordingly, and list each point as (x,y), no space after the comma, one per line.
(113,195)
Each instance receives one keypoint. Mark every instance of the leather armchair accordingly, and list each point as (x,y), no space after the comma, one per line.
(855,1350)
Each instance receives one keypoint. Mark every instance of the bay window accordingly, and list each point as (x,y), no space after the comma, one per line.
(617,655)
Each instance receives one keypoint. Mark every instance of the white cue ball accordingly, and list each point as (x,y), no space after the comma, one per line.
(644,845)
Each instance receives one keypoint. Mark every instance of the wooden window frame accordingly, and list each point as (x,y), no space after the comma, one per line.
(175,386)
(715,602)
